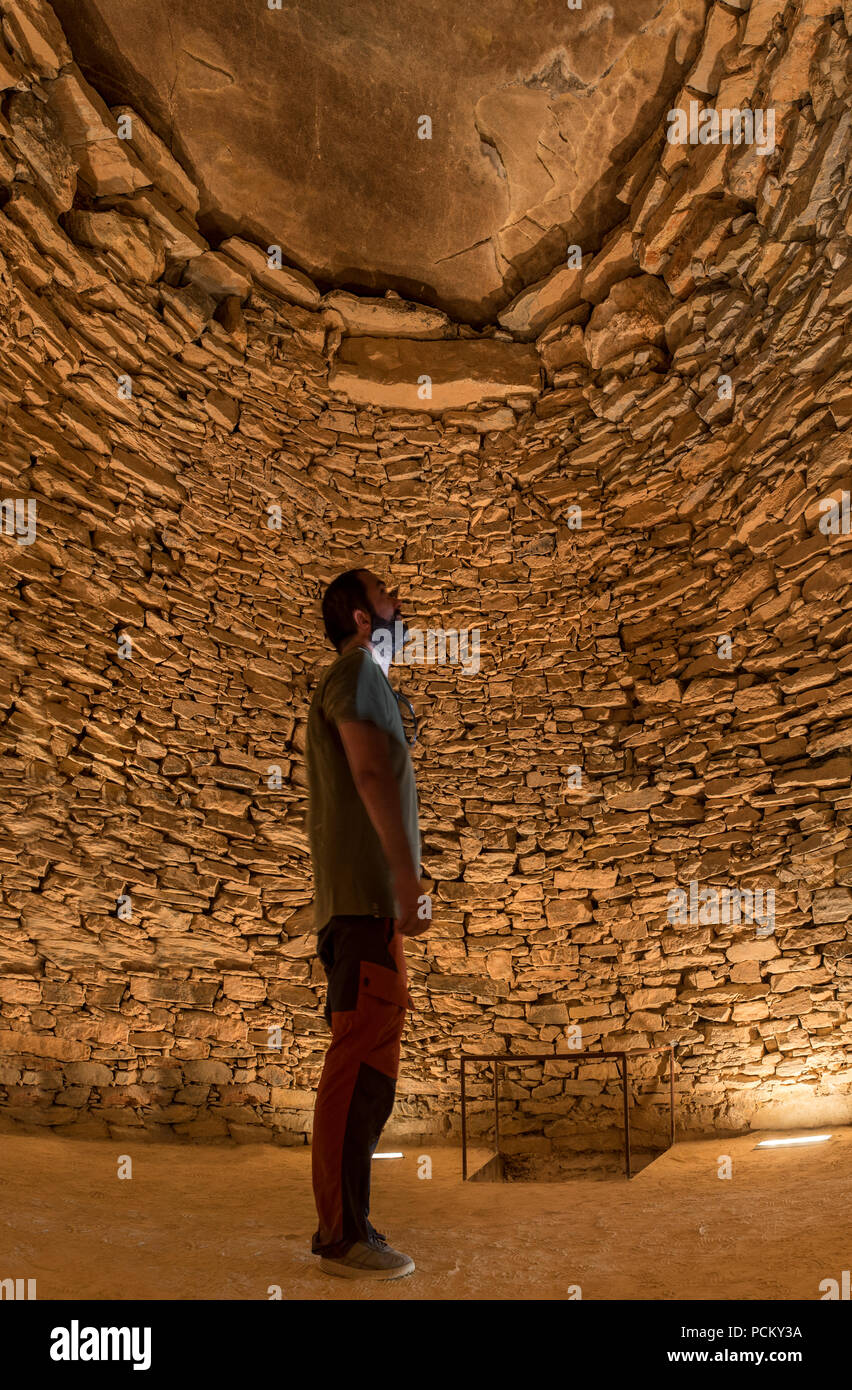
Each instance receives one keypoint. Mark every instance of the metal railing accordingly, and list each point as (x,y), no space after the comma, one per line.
(514,1058)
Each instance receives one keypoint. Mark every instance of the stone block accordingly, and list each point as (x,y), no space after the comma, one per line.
(434,376)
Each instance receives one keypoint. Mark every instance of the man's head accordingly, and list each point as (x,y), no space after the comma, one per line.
(356,605)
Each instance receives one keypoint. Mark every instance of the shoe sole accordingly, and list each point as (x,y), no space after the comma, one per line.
(355,1272)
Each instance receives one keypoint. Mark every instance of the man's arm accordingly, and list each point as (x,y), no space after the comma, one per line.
(366,748)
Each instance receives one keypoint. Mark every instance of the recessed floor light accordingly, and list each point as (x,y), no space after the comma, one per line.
(782,1143)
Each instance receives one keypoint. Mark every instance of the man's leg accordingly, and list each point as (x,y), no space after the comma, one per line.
(367,1001)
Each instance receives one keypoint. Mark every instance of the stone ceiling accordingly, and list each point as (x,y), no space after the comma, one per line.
(300,126)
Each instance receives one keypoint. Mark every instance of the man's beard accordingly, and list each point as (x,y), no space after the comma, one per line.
(388,637)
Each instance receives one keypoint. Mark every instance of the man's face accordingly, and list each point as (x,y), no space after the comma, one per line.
(385,601)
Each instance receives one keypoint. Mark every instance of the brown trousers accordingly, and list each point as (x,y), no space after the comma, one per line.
(366,1006)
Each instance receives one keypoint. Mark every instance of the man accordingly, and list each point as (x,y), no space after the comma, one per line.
(365,848)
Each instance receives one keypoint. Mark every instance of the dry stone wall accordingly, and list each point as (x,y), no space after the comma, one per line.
(635,486)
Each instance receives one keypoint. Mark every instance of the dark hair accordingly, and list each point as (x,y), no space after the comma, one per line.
(343,595)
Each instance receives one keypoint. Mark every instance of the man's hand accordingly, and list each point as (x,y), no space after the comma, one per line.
(407,891)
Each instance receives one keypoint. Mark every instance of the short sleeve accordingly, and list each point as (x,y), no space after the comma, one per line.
(354,691)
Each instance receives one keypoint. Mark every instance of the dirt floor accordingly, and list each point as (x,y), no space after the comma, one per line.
(227,1222)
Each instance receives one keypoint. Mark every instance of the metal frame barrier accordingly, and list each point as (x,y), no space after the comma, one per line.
(621,1059)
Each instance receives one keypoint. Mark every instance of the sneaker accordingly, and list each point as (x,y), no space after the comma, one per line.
(364,1261)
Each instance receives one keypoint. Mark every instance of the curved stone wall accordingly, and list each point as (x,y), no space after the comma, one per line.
(635,486)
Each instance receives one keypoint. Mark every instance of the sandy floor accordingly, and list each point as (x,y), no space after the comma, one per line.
(227,1222)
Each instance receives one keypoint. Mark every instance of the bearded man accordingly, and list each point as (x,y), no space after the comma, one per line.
(365,849)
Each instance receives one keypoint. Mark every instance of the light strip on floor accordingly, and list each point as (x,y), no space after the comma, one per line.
(387,1155)
(781,1143)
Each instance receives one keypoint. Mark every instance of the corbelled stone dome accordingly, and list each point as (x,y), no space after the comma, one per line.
(575,385)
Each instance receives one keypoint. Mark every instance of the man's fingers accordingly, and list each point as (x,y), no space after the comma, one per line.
(412,926)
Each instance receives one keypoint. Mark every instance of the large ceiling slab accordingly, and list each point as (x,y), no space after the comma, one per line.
(300,125)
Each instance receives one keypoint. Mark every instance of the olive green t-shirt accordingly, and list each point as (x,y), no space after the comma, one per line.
(351,875)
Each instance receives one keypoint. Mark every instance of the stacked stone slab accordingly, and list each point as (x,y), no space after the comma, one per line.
(621,485)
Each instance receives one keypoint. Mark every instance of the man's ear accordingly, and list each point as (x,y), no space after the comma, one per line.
(361,616)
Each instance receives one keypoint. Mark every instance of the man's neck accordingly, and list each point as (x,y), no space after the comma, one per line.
(366,645)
